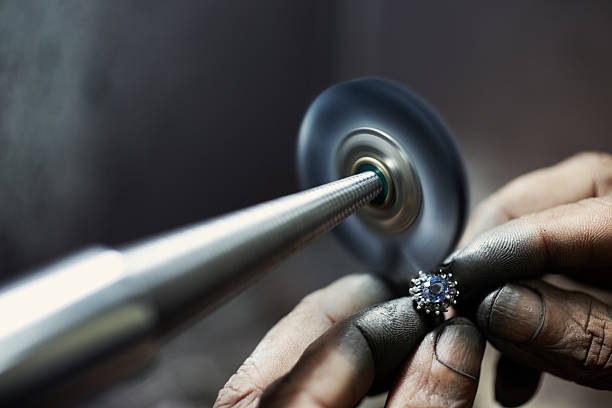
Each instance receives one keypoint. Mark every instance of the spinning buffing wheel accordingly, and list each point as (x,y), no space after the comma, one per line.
(367,144)
(381,123)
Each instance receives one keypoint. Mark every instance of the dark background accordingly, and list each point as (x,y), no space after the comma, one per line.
(119,119)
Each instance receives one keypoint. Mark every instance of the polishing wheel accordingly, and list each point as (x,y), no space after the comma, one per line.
(372,123)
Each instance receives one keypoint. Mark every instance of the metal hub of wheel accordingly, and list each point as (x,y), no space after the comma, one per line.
(380,123)
(403,203)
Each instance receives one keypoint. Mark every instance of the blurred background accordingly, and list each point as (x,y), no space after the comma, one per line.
(119,119)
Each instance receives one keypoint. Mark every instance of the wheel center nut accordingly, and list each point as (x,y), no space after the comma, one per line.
(387,195)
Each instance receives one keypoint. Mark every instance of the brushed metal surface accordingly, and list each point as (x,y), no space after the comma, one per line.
(220,256)
(74,311)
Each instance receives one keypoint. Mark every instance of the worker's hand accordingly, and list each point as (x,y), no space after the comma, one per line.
(341,342)
(553,221)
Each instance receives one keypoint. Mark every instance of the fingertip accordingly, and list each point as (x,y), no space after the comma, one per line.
(514,313)
(444,369)
(392,330)
(509,252)
(359,355)
(460,346)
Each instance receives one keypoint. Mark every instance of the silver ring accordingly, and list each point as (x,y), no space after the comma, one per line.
(434,292)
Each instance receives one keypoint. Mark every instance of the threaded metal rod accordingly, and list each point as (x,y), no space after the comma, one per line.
(215,259)
(71,312)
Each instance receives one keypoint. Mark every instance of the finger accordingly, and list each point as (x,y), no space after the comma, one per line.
(515,383)
(279,350)
(444,370)
(568,334)
(357,355)
(581,176)
(558,240)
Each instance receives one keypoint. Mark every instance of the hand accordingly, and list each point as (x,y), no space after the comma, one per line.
(553,221)
(341,342)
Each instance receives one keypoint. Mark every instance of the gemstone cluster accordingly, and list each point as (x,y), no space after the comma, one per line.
(434,292)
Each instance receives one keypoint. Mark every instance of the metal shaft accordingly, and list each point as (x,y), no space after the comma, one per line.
(103,299)
(215,259)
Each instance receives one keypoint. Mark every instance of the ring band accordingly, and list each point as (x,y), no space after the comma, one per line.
(434,292)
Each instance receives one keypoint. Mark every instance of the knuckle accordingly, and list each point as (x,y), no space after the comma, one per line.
(309,301)
(596,339)
(600,164)
(495,208)
(311,308)
(240,390)
(597,158)
(313,300)
(311,305)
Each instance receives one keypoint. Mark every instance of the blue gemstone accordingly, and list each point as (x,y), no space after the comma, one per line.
(435,289)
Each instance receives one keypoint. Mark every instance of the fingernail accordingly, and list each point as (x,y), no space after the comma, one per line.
(460,347)
(512,313)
